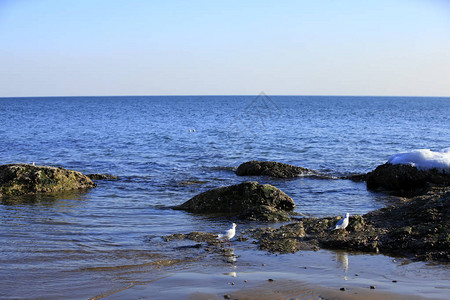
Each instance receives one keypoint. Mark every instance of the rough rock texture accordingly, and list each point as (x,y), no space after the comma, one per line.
(22,179)
(418,228)
(248,200)
(405,180)
(97,176)
(271,168)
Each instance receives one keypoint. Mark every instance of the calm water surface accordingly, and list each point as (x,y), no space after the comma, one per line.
(89,243)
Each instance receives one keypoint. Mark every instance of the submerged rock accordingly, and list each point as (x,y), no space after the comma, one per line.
(418,228)
(355,177)
(405,180)
(196,236)
(22,179)
(97,176)
(248,200)
(271,168)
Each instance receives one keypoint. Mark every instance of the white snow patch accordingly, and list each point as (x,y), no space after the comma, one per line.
(424,159)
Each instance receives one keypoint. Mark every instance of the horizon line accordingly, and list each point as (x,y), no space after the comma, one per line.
(221,95)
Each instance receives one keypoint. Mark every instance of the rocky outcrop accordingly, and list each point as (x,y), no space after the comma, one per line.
(22,179)
(272,169)
(405,180)
(418,228)
(248,200)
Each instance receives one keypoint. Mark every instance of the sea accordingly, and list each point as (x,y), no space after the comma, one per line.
(106,241)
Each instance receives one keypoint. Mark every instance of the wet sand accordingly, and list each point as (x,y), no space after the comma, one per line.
(204,287)
(307,275)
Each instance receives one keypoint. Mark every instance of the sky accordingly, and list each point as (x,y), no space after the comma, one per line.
(132,47)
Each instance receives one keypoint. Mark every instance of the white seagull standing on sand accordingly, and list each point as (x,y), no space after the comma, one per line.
(228,234)
(342,223)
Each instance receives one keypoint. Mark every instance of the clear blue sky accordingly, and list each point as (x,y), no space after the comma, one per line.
(130,47)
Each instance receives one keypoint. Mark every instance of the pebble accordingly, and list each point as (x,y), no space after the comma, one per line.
(245,280)
(372,287)
(270,279)
(356,274)
(232,283)
(394,280)
(342,289)
(263,265)
(226,297)
(306,268)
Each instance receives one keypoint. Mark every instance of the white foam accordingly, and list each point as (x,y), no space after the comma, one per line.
(424,159)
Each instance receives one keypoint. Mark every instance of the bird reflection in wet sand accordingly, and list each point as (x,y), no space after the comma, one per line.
(342,259)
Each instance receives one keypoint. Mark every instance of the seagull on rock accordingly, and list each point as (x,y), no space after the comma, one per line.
(228,234)
(342,223)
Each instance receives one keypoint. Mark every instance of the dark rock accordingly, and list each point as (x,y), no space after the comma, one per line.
(288,240)
(22,179)
(271,168)
(418,228)
(405,180)
(101,177)
(248,200)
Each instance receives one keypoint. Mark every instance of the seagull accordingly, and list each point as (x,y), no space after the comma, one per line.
(228,234)
(342,223)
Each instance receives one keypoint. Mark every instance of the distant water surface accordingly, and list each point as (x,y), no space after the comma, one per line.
(63,241)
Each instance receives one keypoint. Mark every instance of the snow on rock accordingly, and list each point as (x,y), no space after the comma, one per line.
(424,159)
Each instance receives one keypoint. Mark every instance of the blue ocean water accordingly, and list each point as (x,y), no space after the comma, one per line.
(166,150)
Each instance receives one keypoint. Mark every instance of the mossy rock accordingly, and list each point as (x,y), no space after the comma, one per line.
(248,200)
(356,223)
(23,179)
